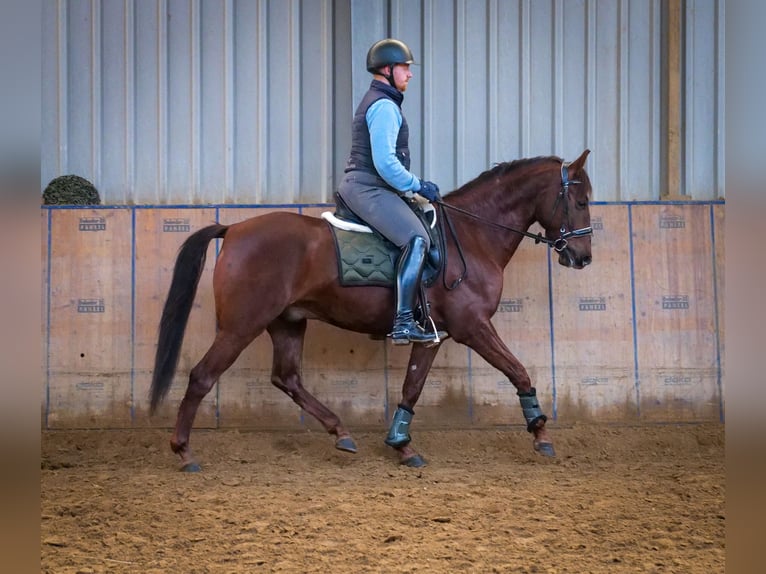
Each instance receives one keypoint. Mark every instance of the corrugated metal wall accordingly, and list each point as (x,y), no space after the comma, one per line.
(250,101)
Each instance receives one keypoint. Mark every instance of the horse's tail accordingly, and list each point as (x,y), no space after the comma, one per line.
(175,315)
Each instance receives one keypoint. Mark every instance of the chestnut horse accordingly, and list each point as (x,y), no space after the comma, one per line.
(276,271)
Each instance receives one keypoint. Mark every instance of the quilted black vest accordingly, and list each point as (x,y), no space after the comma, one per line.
(360,158)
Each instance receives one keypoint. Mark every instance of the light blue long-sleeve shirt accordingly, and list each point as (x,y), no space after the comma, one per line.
(383,121)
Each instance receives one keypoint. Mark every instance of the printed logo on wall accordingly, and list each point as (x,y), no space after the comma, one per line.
(672,221)
(510,306)
(90,306)
(258,385)
(92,224)
(176,225)
(675,302)
(593,381)
(676,380)
(597,223)
(592,304)
(90,386)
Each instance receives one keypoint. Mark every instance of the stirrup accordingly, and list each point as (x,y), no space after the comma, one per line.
(408,332)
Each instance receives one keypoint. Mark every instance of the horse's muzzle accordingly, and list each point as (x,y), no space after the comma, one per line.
(576,261)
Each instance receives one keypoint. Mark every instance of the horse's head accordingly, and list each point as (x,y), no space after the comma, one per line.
(564,213)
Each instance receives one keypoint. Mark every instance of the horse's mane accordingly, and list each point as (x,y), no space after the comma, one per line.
(501,169)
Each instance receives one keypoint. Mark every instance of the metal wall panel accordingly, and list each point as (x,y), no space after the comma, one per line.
(250,101)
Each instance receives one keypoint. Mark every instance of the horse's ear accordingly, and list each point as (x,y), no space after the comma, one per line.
(578,164)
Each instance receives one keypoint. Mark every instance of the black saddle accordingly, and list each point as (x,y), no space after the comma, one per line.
(433,258)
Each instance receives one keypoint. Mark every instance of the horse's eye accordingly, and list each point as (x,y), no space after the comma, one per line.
(582,204)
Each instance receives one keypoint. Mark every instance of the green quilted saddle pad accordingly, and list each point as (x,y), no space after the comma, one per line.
(365,258)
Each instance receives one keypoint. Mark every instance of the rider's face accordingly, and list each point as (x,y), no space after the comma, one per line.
(402,75)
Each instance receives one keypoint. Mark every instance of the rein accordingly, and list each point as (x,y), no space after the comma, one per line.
(559,244)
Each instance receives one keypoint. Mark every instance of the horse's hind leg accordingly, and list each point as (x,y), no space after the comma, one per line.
(287,338)
(221,355)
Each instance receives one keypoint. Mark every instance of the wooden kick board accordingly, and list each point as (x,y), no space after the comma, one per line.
(593,326)
(523,322)
(89,334)
(675,312)
(159,235)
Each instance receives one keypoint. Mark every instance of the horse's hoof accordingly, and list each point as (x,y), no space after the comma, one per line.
(346,444)
(545,449)
(191,467)
(416,461)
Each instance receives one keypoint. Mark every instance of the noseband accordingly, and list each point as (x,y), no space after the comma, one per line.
(560,243)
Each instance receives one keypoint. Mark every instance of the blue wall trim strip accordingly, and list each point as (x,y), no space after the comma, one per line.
(301,206)
(636,378)
(554,398)
(48,323)
(133,318)
(719,381)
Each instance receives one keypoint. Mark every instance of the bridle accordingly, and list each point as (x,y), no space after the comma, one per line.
(559,244)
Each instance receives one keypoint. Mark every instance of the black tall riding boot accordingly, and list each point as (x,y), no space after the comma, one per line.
(409,268)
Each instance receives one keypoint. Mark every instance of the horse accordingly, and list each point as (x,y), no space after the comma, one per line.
(488,218)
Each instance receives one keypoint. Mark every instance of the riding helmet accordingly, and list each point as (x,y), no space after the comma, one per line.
(386,52)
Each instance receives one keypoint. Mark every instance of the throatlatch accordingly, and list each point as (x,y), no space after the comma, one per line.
(531,409)
(399,433)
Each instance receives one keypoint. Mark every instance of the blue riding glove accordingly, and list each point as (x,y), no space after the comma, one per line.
(429,190)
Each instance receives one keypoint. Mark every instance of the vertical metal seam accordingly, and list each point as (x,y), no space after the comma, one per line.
(558,78)
(591,124)
(525,73)
(129,99)
(262,28)
(719,375)
(228,100)
(655,95)
(96,92)
(720,108)
(636,376)
(426,94)
(195,91)
(296,111)
(460,90)
(687,100)
(326,104)
(493,33)
(62,29)
(393,13)
(624,99)
(162,99)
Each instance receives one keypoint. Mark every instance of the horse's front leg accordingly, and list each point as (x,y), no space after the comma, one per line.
(483,338)
(421,359)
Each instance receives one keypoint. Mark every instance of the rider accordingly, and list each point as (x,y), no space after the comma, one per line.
(377,177)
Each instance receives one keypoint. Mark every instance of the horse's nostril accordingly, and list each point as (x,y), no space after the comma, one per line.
(586,260)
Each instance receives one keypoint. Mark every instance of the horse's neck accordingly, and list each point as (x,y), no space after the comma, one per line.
(508,204)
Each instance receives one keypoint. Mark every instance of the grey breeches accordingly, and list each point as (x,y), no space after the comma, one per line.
(382,209)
